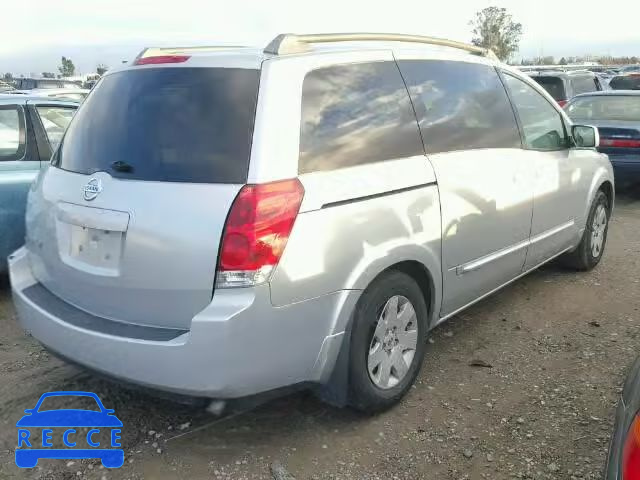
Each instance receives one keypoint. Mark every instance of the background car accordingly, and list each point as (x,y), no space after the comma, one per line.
(30,130)
(623,461)
(625,82)
(42,83)
(616,113)
(5,87)
(563,86)
(72,94)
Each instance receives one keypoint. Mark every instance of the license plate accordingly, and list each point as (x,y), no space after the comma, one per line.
(96,248)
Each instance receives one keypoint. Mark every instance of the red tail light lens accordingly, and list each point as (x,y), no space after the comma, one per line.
(631,453)
(624,143)
(562,103)
(256,232)
(162,59)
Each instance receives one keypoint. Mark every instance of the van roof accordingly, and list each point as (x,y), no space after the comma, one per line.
(290,44)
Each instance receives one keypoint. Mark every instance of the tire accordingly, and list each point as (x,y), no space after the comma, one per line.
(373,342)
(586,256)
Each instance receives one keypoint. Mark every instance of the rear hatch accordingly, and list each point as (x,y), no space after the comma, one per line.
(127,221)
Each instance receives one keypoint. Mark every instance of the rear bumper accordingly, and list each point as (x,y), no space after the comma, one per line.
(626,169)
(239,345)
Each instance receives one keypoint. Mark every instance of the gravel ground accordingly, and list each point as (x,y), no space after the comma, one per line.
(556,347)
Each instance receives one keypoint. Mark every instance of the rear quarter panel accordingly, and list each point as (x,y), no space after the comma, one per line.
(392,215)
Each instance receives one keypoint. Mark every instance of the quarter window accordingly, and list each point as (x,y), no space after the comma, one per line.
(542,124)
(356,114)
(12,134)
(460,105)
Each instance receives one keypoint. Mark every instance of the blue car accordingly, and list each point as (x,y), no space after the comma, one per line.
(32,447)
(616,113)
(30,130)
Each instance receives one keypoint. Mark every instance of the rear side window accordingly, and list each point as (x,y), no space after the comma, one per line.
(356,114)
(460,105)
(584,85)
(166,124)
(554,86)
(12,133)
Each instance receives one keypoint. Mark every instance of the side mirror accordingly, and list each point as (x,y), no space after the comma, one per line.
(585,136)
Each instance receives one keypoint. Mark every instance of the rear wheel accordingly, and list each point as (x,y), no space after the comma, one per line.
(591,247)
(387,342)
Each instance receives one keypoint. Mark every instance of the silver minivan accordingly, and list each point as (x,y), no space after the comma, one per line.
(226,222)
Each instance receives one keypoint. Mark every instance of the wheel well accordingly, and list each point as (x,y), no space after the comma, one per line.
(607,188)
(421,275)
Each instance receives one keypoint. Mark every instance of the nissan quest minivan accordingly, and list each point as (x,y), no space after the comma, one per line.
(225,222)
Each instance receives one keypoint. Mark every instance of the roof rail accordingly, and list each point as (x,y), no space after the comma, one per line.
(157,51)
(287,43)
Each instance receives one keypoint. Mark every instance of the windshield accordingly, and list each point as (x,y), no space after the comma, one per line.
(618,107)
(165,124)
(553,85)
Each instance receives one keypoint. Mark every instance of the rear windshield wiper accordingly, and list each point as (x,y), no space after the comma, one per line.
(121,166)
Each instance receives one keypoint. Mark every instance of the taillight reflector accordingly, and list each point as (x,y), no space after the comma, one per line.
(562,103)
(162,59)
(256,232)
(631,453)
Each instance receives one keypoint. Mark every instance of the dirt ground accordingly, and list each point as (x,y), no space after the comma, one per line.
(559,344)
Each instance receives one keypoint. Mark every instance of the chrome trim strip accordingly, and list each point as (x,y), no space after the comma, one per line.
(481,262)
(458,310)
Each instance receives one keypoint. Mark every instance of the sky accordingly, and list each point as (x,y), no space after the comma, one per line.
(41,31)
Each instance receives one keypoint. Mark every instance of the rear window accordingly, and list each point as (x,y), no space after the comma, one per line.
(165,124)
(554,86)
(609,107)
(584,84)
(631,82)
(47,84)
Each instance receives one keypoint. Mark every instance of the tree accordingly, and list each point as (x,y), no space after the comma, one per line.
(8,77)
(494,28)
(48,75)
(67,68)
(101,69)
(563,61)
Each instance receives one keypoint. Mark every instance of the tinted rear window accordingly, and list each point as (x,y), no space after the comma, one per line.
(631,82)
(166,124)
(606,107)
(554,86)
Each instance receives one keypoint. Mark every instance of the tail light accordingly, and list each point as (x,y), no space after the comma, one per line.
(562,103)
(161,59)
(619,143)
(631,452)
(256,232)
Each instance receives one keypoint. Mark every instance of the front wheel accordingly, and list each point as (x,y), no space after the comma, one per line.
(591,247)
(387,342)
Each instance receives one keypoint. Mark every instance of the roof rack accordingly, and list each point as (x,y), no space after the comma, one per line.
(157,51)
(287,43)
